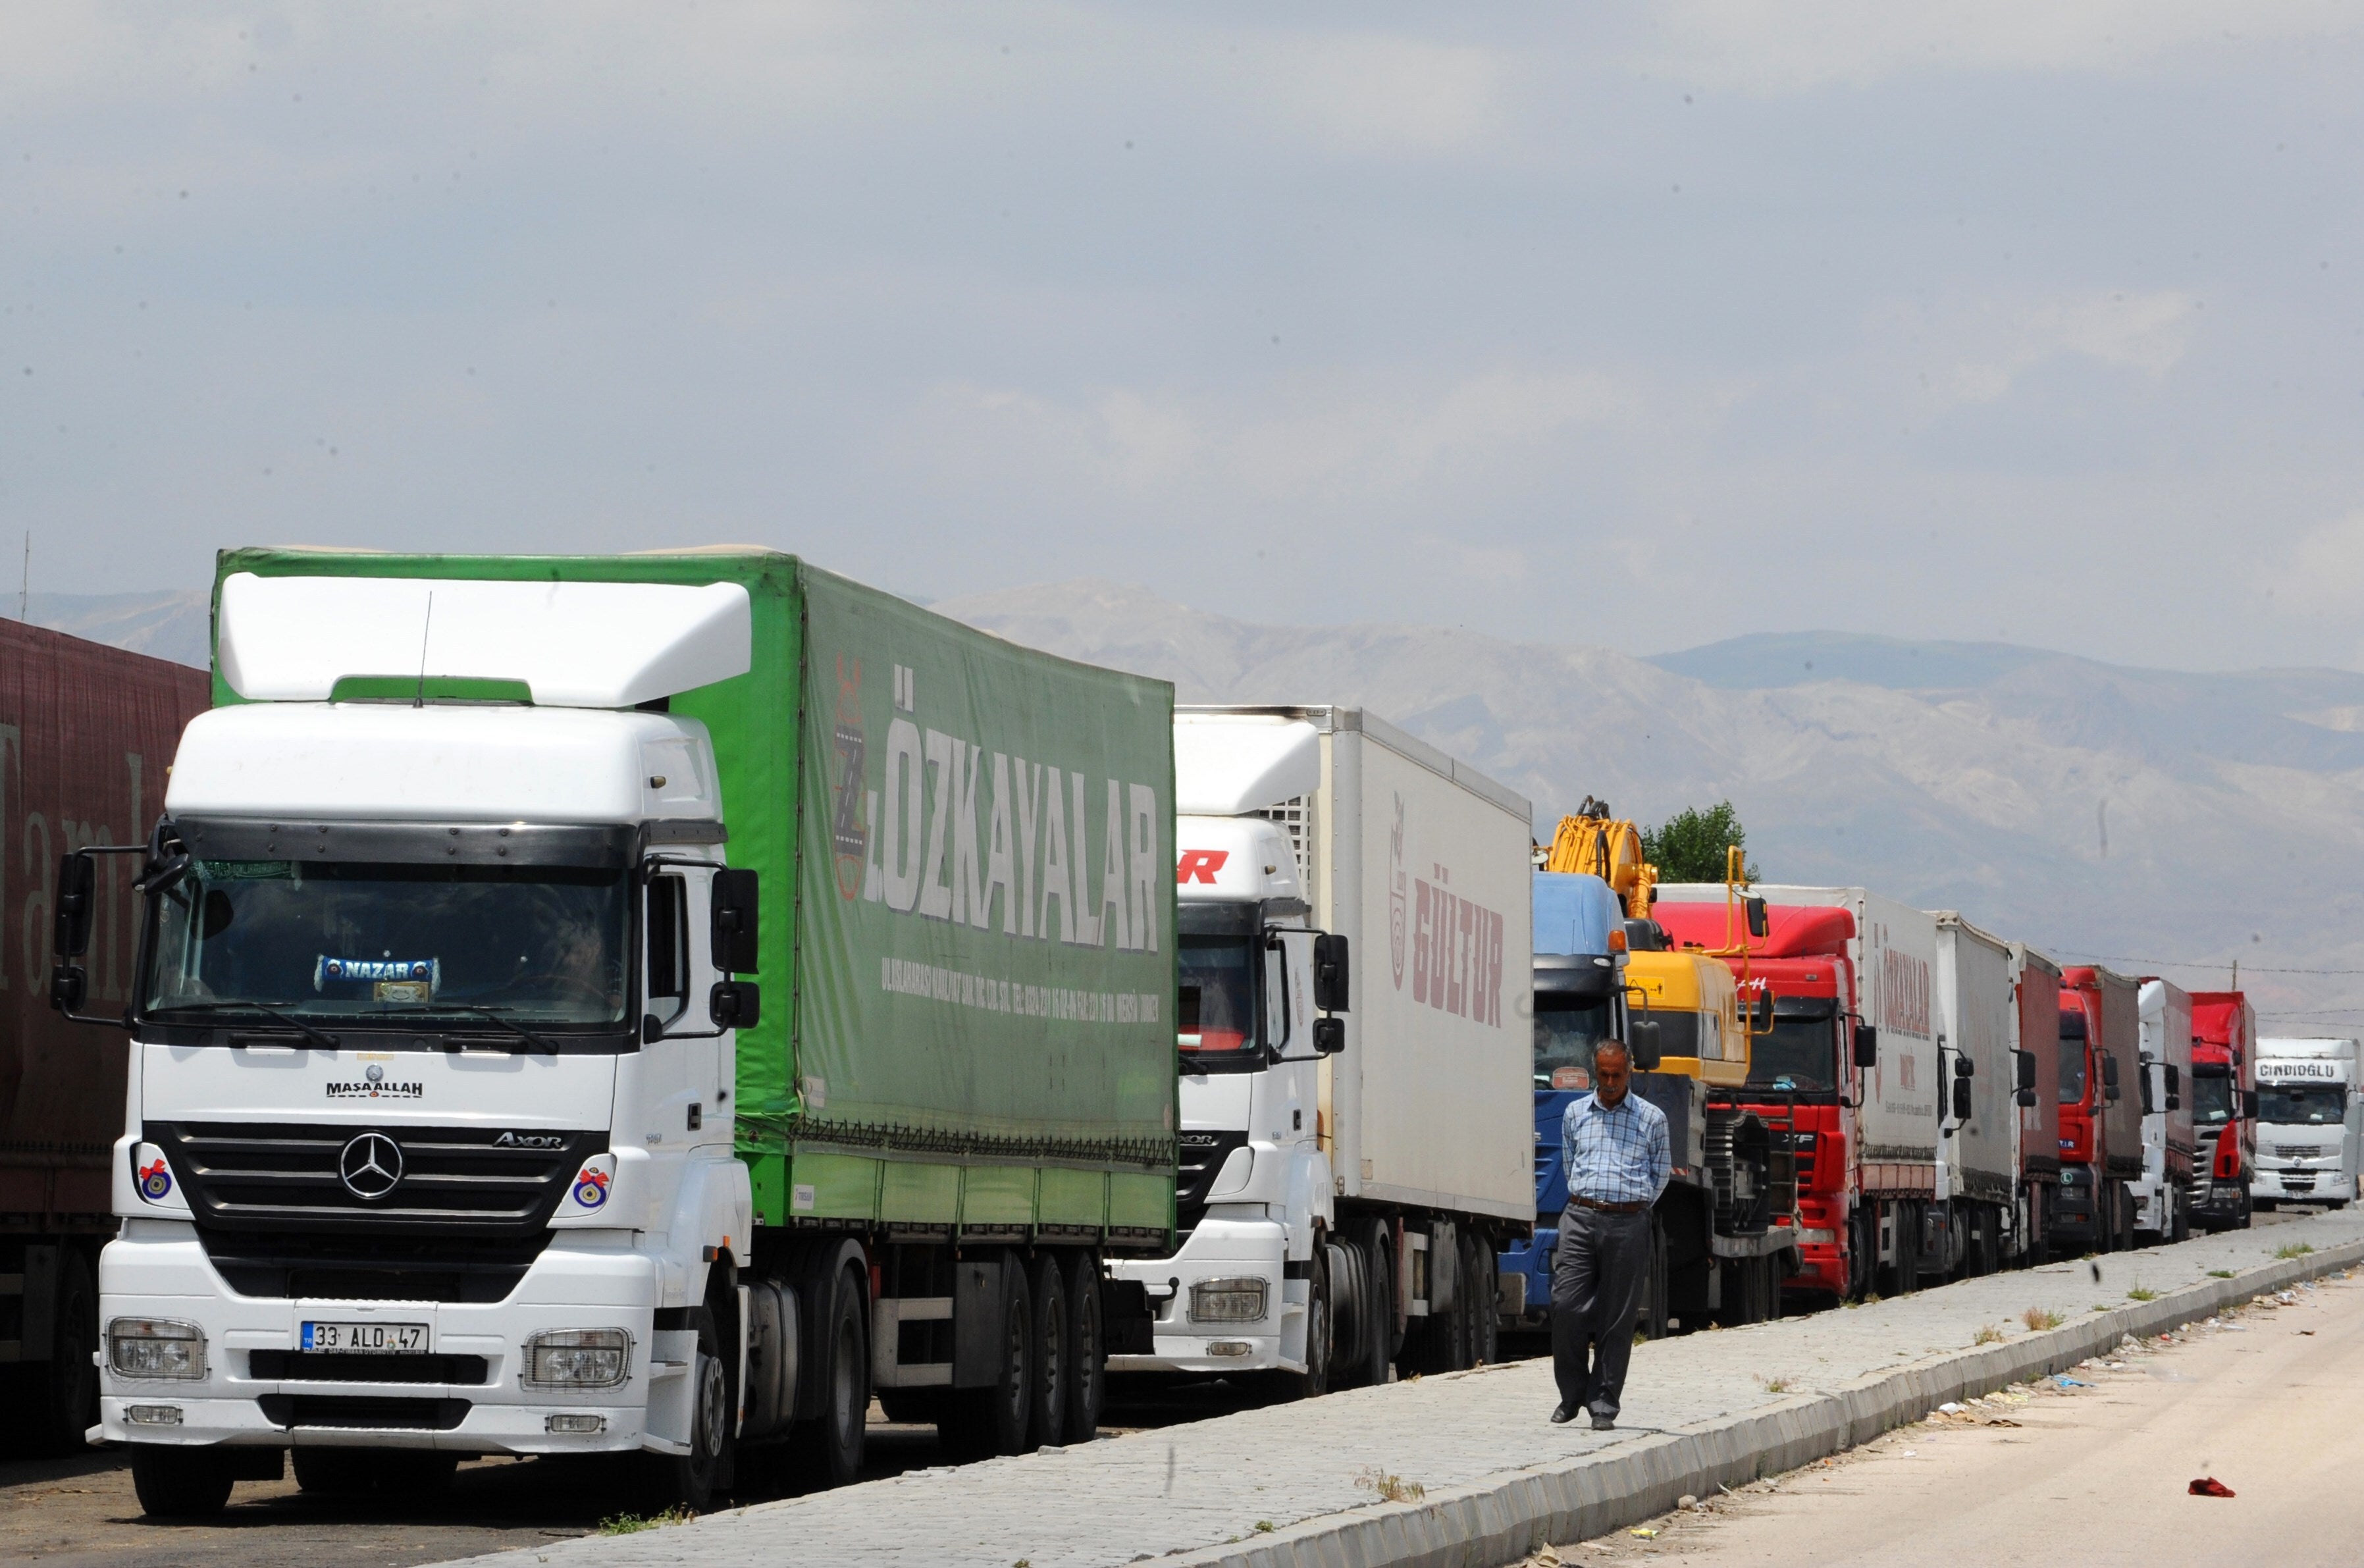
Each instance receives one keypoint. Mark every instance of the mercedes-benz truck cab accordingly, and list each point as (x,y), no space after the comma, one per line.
(431,1048)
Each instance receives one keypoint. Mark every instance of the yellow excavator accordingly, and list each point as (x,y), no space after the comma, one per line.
(1593,843)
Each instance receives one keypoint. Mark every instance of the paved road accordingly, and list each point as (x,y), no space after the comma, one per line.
(2266,1402)
(82,1514)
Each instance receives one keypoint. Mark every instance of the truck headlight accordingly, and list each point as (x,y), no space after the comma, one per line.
(578,1357)
(155,1347)
(1238,1300)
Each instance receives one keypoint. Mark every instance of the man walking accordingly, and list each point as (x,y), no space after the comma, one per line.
(1614,1147)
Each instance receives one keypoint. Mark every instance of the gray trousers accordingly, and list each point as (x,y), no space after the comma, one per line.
(1597,1278)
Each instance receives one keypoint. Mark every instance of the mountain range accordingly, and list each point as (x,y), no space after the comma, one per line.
(2167,822)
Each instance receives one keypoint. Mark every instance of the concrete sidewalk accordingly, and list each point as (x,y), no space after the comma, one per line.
(1301,1484)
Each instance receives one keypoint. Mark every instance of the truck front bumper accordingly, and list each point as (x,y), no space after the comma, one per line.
(2296,1184)
(467,1395)
(1226,1250)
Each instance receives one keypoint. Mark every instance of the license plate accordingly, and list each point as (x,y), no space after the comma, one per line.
(367,1338)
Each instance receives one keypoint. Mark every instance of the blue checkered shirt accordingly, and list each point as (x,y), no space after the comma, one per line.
(1616,1156)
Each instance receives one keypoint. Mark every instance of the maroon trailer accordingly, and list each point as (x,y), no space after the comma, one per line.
(86,734)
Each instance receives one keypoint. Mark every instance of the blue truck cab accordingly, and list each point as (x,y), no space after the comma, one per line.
(1579,1000)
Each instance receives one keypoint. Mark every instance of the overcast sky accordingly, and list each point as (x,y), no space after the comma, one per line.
(1594,323)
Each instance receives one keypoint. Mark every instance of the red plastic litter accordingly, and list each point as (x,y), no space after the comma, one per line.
(2209,1487)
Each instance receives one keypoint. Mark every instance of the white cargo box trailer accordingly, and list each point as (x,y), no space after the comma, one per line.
(1978,1170)
(1346,1183)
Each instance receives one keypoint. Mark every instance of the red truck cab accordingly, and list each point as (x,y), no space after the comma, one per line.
(1799,1076)
(2223,1107)
(2101,1127)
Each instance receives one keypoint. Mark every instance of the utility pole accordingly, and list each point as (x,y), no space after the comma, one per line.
(2236,976)
(25,584)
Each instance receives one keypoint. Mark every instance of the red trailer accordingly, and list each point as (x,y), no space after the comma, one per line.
(86,736)
(2223,1107)
(2101,1113)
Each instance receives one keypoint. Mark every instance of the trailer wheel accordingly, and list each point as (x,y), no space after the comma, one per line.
(1378,1303)
(994,1419)
(1053,1366)
(1484,1295)
(829,1446)
(1086,1347)
(179,1483)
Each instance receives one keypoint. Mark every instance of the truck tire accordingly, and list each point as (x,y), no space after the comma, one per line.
(828,1446)
(1086,1347)
(1350,1312)
(64,1395)
(179,1483)
(1483,1293)
(1053,1368)
(983,1422)
(693,1480)
(1378,1303)
(1653,1319)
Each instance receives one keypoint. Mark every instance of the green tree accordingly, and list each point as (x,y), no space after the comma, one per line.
(1690,847)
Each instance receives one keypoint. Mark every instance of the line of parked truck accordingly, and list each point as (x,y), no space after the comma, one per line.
(655,1004)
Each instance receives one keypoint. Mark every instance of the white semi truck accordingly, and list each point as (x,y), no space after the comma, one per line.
(454,1125)
(2162,1194)
(1357,1134)
(2310,1117)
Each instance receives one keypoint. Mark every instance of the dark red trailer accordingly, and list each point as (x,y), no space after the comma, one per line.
(86,736)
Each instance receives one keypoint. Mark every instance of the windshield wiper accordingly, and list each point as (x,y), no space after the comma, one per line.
(327,1040)
(495,1015)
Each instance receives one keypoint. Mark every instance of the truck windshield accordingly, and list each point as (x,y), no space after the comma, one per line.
(1568,1029)
(1215,1003)
(545,944)
(2072,1057)
(2302,1104)
(2211,1098)
(1802,1053)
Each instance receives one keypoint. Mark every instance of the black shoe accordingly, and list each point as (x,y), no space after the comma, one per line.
(1563,1416)
(1601,1423)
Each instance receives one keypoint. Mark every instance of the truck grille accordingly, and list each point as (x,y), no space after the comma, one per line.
(1200,1157)
(340,1266)
(2300,1151)
(310,1366)
(453,1181)
(363,1410)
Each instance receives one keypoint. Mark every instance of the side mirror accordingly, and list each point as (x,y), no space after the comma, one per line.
(2249,1104)
(1329,1036)
(1330,973)
(2026,1098)
(1964,1066)
(734,922)
(77,881)
(735,1004)
(68,987)
(2110,1093)
(2174,1081)
(1756,907)
(1961,1099)
(2026,1084)
(1866,1046)
(1761,1017)
(2110,1073)
(1641,1040)
(2174,1102)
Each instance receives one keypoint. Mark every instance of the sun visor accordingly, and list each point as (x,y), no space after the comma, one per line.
(566,644)
(1227,764)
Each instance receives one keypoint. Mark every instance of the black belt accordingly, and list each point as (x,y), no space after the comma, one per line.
(1607,1207)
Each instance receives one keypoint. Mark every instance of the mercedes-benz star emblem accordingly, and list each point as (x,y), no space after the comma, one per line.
(370,1166)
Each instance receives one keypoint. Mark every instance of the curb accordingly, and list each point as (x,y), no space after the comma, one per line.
(1504,1519)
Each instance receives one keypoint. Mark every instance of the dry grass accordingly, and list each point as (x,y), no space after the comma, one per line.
(1390,1488)
(2039,1318)
(1988,1334)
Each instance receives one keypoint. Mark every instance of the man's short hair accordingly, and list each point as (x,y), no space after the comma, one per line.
(1617,1046)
